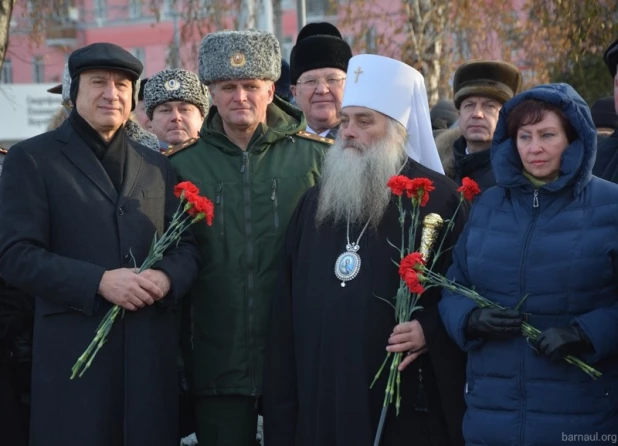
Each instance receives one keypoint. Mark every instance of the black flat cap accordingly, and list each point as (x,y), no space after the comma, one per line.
(611,57)
(488,78)
(140,94)
(104,56)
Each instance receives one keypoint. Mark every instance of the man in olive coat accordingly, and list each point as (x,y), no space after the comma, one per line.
(255,159)
(78,209)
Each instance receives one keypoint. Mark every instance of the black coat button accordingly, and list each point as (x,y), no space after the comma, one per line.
(120,211)
(127,259)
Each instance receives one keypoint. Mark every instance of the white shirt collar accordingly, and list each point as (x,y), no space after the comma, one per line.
(323,134)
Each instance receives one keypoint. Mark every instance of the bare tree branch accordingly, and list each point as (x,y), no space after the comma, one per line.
(6,11)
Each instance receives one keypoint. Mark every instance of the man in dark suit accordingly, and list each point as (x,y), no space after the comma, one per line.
(78,209)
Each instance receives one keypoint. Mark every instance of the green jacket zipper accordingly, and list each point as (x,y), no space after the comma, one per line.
(273,198)
(244,169)
(220,213)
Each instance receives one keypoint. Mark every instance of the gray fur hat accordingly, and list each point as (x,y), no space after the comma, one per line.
(141,136)
(64,88)
(66,84)
(228,55)
(174,85)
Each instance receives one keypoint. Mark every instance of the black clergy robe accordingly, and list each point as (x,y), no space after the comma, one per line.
(327,341)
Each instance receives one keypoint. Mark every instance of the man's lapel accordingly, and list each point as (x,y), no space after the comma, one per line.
(82,156)
(131,172)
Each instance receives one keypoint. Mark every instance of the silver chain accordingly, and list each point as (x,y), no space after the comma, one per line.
(355,245)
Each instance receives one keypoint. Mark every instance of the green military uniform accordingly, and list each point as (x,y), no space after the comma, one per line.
(255,193)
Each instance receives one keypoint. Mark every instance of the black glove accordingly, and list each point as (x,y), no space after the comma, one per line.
(493,323)
(558,342)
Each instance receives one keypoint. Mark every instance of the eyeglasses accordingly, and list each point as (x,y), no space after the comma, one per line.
(313,82)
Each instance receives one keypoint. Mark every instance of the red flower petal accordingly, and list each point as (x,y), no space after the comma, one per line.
(419,189)
(205,206)
(186,187)
(469,188)
(413,283)
(411,262)
(398,184)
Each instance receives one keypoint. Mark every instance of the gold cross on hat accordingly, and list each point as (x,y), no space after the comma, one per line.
(358,72)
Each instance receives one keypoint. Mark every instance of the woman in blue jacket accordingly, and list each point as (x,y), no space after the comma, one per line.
(548,232)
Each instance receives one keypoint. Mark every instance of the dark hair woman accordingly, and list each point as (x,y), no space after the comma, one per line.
(548,232)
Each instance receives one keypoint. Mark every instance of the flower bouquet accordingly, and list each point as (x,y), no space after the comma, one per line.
(426,276)
(192,208)
(410,287)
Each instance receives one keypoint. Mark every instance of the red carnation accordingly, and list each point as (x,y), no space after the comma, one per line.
(191,199)
(187,187)
(398,184)
(414,284)
(419,189)
(469,188)
(411,262)
(205,206)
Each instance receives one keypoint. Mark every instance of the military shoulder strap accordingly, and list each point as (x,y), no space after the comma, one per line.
(313,137)
(174,149)
(3,151)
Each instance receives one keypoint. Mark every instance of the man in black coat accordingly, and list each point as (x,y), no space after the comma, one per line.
(331,322)
(480,88)
(606,165)
(16,313)
(78,210)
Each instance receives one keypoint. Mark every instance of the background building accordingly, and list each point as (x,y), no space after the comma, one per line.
(159,38)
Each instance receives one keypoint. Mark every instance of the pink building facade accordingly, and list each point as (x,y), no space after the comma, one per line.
(371,26)
(130,24)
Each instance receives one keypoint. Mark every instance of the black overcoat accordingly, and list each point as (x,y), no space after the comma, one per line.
(62,224)
(606,164)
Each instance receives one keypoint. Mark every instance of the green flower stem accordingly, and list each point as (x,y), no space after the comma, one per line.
(404,306)
(398,400)
(449,228)
(412,231)
(180,222)
(402,221)
(84,361)
(528,330)
(168,237)
(375,378)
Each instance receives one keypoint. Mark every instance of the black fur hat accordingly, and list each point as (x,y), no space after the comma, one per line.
(318,45)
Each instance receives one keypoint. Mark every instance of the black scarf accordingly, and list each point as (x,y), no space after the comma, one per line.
(112,155)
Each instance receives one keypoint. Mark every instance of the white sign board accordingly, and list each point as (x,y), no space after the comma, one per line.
(25,110)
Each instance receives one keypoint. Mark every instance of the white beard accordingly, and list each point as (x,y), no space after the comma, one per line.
(354,177)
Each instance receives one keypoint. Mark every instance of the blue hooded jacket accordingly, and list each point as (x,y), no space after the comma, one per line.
(562,254)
